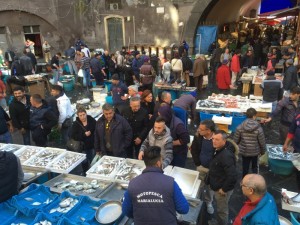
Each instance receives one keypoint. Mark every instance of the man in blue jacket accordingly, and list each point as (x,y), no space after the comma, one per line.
(152,197)
(260,207)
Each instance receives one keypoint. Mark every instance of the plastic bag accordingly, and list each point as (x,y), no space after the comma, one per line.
(263,160)
(80,73)
(96,159)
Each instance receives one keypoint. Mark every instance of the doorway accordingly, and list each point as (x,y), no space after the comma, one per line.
(114,27)
(33,34)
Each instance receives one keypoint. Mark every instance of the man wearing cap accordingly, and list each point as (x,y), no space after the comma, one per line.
(199,70)
(118,90)
(272,89)
(290,78)
(137,62)
(223,77)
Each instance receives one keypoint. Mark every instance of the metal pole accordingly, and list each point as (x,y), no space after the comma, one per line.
(133,21)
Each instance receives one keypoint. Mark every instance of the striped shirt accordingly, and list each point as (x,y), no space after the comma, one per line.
(85,63)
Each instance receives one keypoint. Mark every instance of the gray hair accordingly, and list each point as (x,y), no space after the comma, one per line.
(223,133)
(135,99)
(164,95)
(107,107)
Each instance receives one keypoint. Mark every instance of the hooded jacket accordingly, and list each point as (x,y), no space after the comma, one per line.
(164,141)
(250,137)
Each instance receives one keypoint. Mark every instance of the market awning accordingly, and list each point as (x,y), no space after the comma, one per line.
(282,13)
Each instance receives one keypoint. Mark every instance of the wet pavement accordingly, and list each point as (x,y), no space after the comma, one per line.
(273,181)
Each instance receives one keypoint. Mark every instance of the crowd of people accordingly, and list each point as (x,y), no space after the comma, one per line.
(140,127)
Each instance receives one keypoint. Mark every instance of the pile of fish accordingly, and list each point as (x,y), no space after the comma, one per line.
(65,205)
(107,166)
(128,171)
(48,200)
(66,161)
(276,152)
(43,158)
(28,152)
(44,222)
(76,186)
(211,103)
(11,148)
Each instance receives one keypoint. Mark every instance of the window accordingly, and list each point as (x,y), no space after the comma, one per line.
(31,29)
(2,30)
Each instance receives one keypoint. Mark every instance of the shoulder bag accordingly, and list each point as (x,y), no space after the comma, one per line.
(76,146)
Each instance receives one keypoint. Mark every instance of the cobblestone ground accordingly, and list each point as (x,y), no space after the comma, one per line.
(272,137)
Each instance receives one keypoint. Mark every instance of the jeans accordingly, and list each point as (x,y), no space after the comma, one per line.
(26,137)
(283,131)
(72,67)
(233,78)
(246,164)
(179,160)
(55,76)
(6,138)
(206,193)
(222,207)
(87,77)
(198,82)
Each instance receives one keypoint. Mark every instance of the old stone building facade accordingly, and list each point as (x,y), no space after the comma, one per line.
(111,24)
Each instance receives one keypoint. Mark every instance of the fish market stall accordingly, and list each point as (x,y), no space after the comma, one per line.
(233,104)
(175,89)
(31,174)
(10,147)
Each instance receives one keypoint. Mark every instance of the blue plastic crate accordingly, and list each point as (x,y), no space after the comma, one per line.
(42,217)
(55,204)
(207,116)
(84,209)
(294,217)
(20,218)
(173,95)
(109,100)
(281,167)
(41,195)
(7,212)
(236,121)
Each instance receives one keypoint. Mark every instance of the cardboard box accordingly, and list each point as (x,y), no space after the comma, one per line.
(257,90)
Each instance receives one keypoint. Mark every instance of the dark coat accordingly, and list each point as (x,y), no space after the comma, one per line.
(138,122)
(32,57)
(121,136)
(222,170)
(16,68)
(78,132)
(20,113)
(250,137)
(187,64)
(290,78)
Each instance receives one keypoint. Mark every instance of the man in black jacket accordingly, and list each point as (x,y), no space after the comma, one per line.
(138,120)
(287,108)
(42,119)
(11,174)
(19,111)
(222,176)
(32,58)
(290,78)
(113,133)
(96,69)
(202,152)
(272,89)
(187,67)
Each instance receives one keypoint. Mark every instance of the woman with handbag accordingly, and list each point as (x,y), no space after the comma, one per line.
(83,131)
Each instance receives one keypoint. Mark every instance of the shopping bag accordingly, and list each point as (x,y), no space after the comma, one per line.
(205,80)
(80,73)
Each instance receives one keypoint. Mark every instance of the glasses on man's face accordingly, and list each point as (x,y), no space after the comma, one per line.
(243,185)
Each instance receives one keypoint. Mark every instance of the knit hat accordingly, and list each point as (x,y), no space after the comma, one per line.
(133,87)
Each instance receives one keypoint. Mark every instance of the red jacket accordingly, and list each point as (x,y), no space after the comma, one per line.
(223,77)
(235,64)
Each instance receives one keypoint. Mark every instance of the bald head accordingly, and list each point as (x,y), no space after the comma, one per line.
(257,183)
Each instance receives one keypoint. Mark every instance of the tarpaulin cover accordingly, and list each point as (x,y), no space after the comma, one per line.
(272,5)
(55,204)
(33,200)
(205,35)
(19,218)
(85,210)
(7,211)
